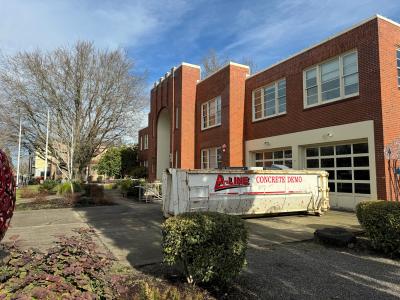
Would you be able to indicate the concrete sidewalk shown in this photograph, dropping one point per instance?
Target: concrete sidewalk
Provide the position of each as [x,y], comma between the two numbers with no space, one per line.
[132,231]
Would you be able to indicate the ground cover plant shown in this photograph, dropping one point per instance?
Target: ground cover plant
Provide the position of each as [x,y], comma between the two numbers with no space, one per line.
[76,269]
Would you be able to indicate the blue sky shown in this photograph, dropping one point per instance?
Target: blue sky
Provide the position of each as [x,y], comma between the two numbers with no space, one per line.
[161,34]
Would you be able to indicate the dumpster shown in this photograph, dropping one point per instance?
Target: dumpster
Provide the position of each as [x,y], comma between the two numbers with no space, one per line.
[245,192]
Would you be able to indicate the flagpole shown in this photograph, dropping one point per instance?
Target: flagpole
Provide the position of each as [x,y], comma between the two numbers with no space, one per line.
[19,149]
[47,144]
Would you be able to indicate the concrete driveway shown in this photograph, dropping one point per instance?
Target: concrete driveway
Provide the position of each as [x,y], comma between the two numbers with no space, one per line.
[282,263]
[131,230]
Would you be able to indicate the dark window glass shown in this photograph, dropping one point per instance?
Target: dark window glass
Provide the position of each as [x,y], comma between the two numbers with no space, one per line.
[344,175]
[361,174]
[267,163]
[259,163]
[362,188]
[267,155]
[331,186]
[325,151]
[278,162]
[288,163]
[312,163]
[278,154]
[362,161]
[259,156]
[331,174]
[343,162]
[360,148]
[343,149]
[288,153]
[312,152]
[327,162]
[343,187]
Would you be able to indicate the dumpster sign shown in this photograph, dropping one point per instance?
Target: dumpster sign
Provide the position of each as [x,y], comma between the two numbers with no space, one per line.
[260,184]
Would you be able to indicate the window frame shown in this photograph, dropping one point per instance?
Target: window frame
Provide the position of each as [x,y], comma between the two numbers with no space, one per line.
[317,67]
[141,143]
[272,160]
[398,66]
[207,151]
[146,142]
[207,104]
[262,89]
[352,156]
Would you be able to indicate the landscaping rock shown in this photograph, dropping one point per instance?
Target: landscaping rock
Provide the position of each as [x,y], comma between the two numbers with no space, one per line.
[335,236]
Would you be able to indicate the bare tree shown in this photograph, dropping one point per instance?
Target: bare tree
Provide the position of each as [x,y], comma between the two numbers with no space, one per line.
[92,95]
[211,62]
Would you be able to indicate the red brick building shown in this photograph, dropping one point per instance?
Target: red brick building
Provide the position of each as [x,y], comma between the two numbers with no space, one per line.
[333,106]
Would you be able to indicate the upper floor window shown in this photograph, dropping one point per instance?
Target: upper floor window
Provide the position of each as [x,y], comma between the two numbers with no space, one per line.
[141,143]
[269,101]
[211,158]
[398,66]
[146,142]
[211,113]
[333,80]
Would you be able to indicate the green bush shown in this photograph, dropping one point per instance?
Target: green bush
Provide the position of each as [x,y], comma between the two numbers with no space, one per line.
[65,188]
[138,172]
[48,186]
[207,246]
[381,221]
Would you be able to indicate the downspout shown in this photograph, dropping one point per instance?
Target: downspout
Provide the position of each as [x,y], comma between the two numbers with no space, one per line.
[173,118]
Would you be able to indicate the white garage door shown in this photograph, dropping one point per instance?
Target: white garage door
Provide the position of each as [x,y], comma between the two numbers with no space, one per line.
[348,167]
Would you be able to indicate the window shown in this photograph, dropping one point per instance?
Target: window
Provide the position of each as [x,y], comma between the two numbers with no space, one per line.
[398,66]
[269,158]
[270,100]
[176,159]
[211,113]
[347,165]
[145,164]
[146,142]
[141,143]
[211,158]
[333,80]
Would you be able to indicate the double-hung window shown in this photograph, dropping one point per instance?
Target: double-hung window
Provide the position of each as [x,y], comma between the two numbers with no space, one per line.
[146,142]
[141,143]
[211,113]
[211,158]
[270,100]
[332,80]
[398,66]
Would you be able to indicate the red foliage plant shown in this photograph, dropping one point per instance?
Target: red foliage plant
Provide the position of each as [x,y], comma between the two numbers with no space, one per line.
[7,194]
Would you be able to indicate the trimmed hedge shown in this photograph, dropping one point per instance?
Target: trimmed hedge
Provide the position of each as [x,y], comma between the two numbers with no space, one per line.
[207,246]
[381,221]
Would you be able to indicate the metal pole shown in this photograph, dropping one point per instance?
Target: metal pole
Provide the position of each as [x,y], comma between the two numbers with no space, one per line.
[19,149]
[47,144]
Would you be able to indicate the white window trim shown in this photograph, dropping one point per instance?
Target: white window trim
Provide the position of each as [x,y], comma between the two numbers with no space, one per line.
[141,143]
[146,142]
[272,160]
[334,156]
[207,103]
[207,150]
[262,101]
[341,80]
[398,68]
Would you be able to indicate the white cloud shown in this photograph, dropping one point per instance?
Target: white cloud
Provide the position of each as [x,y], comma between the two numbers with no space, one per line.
[26,24]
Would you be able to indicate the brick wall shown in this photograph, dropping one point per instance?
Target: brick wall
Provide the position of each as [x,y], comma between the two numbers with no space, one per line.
[364,107]
[389,41]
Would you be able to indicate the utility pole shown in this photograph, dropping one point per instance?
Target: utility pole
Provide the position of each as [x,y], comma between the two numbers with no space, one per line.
[19,148]
[47,144]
